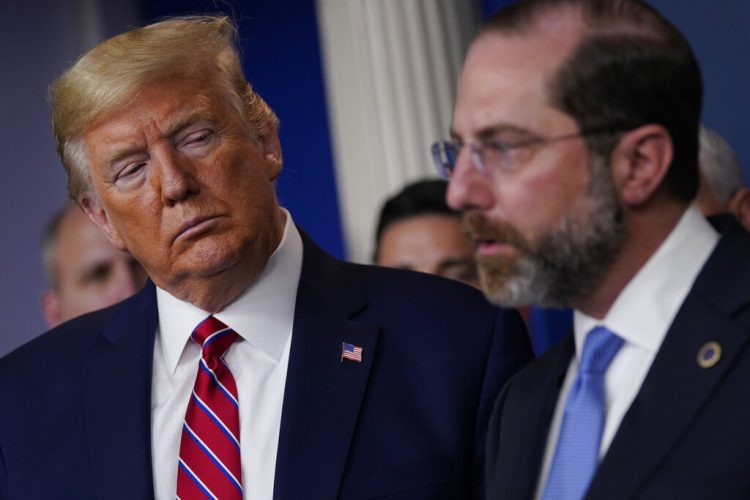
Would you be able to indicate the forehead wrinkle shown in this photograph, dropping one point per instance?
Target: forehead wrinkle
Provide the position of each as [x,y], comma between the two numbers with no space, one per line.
[552,36]
[183,121]
[173,126]
[123,151]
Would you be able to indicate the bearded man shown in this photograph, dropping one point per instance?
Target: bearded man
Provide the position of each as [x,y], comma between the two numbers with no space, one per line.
[574,156]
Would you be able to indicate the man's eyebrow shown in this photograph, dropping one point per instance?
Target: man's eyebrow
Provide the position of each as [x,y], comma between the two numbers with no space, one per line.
[173,129]
[491,131]
[188,120]
[123,152]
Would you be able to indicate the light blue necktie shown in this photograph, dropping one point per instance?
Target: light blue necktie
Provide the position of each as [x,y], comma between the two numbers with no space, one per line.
[577,452]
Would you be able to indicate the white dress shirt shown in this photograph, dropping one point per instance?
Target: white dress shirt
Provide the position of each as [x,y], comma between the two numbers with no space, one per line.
[262,317]
[641,315]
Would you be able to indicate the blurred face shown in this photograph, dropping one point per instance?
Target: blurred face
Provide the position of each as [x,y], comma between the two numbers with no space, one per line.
[545,230]
[91,273]
[186,187]
[433,244]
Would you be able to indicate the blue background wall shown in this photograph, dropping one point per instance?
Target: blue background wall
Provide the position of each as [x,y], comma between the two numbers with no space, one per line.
[718,32]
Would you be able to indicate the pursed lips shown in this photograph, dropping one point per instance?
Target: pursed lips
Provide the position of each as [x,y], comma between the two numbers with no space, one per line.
[193,225]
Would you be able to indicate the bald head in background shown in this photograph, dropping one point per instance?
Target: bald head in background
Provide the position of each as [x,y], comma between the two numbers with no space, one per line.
[85,272]
[722,188]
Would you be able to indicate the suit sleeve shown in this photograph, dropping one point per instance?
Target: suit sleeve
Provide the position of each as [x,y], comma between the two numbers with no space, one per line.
[509,351]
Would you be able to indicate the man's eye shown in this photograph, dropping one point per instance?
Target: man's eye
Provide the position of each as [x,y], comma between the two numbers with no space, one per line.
[97,274]
[197,138]
[129,170]
[498,147]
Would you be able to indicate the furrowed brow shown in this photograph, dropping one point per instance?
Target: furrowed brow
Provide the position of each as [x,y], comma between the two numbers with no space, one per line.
[124,152]
[187,120]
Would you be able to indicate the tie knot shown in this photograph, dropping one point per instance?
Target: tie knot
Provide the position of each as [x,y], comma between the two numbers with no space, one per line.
[214,337]
[600,347]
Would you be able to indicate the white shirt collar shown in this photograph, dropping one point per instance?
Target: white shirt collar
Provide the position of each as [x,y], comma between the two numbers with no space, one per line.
[645,308]
[263,315]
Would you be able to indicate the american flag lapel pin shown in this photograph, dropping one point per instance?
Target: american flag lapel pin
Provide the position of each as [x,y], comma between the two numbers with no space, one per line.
[351,352]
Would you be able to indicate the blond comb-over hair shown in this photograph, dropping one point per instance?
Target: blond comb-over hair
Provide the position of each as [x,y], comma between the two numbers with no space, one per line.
[106,77]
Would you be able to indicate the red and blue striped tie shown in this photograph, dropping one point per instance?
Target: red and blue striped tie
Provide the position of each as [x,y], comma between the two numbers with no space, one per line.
[210,446]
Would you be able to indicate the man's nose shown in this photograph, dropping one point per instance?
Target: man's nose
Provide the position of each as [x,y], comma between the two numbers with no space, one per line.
[177,176]
[468,188]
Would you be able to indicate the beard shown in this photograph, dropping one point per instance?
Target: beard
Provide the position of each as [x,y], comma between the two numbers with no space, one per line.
[565,264]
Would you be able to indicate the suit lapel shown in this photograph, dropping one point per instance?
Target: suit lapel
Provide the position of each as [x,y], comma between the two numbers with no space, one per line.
[677,388]
[534,410]
[118,397]
[323,394]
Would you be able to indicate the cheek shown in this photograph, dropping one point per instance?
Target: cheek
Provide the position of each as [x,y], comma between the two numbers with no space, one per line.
[135,217]
[142,236]
[539,201]
[234,174]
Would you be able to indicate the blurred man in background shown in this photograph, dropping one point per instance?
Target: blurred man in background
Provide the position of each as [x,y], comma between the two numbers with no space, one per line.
[417,230]
[722,188]
[84,271]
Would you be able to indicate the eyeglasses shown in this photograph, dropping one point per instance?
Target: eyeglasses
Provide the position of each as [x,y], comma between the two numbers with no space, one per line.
[496,154]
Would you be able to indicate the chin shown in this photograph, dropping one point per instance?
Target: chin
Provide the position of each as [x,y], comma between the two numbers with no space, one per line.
[207,260]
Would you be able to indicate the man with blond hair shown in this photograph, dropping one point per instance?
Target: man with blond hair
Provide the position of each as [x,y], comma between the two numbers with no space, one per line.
[252,364]
[574,157]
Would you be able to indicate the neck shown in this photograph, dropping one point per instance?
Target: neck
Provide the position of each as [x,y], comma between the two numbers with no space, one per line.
[646,229]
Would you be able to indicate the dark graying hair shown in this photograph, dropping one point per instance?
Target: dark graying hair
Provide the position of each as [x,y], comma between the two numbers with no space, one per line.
[424,197]
[630,67]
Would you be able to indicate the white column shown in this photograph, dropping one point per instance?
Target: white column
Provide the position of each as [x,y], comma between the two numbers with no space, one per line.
[391,68]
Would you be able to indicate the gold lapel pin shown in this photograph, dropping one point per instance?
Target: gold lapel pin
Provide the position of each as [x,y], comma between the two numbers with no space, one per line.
[709,354]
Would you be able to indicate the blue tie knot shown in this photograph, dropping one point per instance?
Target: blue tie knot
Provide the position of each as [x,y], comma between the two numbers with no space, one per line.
[600,347]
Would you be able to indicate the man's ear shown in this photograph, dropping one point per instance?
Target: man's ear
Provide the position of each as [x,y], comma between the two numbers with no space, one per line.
[51,308]
[99,216]
[739,205]
[640,162]
[271,147]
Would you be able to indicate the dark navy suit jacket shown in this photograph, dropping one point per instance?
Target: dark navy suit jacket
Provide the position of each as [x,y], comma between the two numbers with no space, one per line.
[686,434]
[408,422]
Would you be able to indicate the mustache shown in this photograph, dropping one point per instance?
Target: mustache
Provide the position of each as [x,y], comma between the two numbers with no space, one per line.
[478,227]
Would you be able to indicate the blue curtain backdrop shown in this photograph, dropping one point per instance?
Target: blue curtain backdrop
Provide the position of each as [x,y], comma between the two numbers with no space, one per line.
[279,43]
